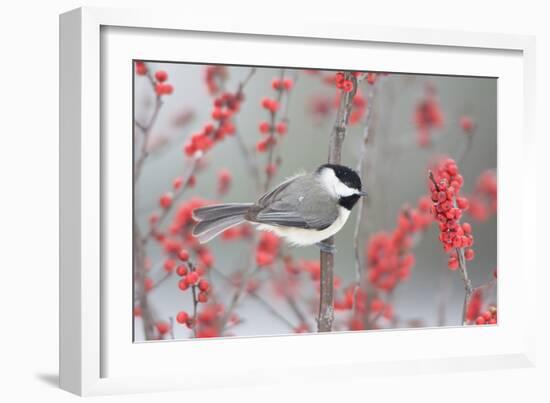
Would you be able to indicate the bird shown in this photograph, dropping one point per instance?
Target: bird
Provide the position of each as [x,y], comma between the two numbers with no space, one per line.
[303,210]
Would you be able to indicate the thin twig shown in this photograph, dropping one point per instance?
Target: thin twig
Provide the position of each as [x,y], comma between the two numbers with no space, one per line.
[326,297]
[260,299]
[367,137]
[247,274]
[139,248]
[177,195]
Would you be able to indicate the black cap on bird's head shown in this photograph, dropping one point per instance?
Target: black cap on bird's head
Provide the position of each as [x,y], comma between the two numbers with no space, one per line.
[351,191]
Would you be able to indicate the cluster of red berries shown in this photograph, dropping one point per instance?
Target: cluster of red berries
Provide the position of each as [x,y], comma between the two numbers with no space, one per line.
[445,184]
[224,181]
[207,320]
[483,201]
[488,317]
[161,86]
[467,124]
[225,106]
[474,306]
[159,80]
[267,249]
[183,218]
[427,116]
[282,84]
[346,301]
[190,277]
[214,76]
[389,256]
[343,83]
[272,106]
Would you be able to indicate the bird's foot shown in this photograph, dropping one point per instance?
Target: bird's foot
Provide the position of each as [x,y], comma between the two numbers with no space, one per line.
[327,248]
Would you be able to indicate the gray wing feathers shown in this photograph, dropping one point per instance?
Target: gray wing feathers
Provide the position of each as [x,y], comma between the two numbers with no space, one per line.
[300,202]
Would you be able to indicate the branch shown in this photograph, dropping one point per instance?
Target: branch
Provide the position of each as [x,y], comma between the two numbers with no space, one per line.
[326,297]
[139,247]
[367,137]
[468,290]
[261,300]
[248,272]
[177,195]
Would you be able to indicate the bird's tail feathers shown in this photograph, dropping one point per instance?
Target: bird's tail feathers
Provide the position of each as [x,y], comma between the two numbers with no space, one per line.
[213,220]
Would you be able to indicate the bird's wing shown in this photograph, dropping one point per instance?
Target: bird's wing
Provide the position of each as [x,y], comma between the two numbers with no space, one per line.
[273,194]
[299,203]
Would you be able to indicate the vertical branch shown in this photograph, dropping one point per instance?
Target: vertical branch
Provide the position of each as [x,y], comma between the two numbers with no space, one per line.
[468,290]
[367,137]
[139,247]
[326,297]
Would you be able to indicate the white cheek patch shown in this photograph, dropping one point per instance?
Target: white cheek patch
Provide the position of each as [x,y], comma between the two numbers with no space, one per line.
[334,185]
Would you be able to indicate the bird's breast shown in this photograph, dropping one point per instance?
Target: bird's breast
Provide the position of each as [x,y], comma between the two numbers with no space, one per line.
[304,237]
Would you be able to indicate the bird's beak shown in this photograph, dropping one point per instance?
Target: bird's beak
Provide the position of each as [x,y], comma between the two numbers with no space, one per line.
[363,194]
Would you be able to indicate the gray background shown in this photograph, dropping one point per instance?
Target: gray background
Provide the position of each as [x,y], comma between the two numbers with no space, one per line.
[398,177]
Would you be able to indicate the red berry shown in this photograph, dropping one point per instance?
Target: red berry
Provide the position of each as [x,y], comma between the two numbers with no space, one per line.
[347,86]
[169,265]
[276,84]
[453,263]
[467,228]
[469,254]
[281,128]
[166,200]
[264,127]
[182,317]
[202,297]
[141,68]
[168,89]
[161,75]
[189,149]
[261,146]
[480,320]
[270,169]
[183,284]
[266,103]
[192,278]
[181,270]
[462,203]
[148,283]
[288,83]
[162,327]
[183,255]
[204,285]
[467,124]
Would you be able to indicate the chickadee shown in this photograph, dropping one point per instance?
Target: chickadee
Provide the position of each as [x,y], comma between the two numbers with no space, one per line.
[304,210]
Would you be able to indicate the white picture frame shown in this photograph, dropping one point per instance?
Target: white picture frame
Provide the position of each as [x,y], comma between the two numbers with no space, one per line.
[96,355]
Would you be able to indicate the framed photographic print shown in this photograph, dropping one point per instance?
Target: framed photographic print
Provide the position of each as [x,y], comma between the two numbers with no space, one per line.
[261,201]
